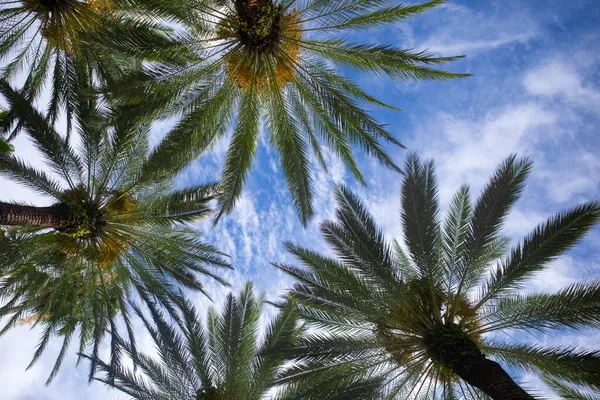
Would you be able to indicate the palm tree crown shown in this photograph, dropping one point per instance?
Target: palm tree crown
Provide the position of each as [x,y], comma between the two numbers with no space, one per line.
[269,58]
[224,359]
[425,313]
[111,229]
[72,43]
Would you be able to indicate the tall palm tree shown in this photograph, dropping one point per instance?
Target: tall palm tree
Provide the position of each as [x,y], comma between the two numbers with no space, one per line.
[429,313]
[110,233]
[70,43]
[225,359]
[273,58]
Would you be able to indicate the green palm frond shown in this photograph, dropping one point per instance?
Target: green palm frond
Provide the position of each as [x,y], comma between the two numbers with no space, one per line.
[358,241]
[416,314]
[334,384]
[381,60]
[382,16]
[577,306]
[489,212]
[454,233]
[285,135]
[271,57]
[241,151]
[199,131]
[6,147]
[578,366]
[419,216]
[569,392]
[39,181]
[60,158]
[544,244]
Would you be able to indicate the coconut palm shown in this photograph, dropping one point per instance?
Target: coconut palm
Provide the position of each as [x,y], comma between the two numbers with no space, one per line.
[110,232]
[70,43]
[429,313]
[222,359]
[276,58]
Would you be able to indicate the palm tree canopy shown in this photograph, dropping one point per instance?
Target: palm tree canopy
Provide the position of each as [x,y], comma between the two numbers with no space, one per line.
[273,59]
[118,232]
[224,358]
[72,43]
[412,311]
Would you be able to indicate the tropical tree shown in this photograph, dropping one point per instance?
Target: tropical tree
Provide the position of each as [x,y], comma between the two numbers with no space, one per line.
[428,313]
[271,58]
[222,359]
[111,232]
[71,43]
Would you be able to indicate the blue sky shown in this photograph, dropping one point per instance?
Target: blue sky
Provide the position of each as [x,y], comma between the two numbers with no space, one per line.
[535,92]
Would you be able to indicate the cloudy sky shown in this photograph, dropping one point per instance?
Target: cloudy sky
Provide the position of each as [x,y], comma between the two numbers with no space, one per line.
[535,92]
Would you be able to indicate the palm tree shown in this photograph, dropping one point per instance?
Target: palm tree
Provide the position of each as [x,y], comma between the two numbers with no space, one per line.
[70,43]
[110,233]
[270,57]
[226,359]
[429,313]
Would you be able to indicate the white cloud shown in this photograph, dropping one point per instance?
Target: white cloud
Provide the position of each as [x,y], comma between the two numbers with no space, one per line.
[468,150]
[557,78]
[71,384]
[462,30]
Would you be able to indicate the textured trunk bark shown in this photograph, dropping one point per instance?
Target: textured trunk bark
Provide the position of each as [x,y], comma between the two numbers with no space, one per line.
[454,348]
[489,377]
[56,216]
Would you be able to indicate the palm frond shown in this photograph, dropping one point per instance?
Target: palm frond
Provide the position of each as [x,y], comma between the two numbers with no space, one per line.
[16,169]
[569,392]
[544,244]
[578,366]
[240,153]
[284,133]
[455,232]
[53,148]
[577,306]
[419,215]
[382,59]
[489,212]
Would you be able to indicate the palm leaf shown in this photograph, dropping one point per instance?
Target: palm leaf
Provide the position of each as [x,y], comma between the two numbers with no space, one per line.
[545,243]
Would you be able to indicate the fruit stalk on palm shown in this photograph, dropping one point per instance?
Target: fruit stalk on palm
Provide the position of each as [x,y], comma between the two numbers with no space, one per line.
[262,61]
[424,314]
[224,358]
[110,233]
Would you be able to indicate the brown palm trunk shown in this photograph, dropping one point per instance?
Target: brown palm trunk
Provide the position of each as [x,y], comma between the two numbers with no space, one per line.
[56,216]
[454,348]
[489,377]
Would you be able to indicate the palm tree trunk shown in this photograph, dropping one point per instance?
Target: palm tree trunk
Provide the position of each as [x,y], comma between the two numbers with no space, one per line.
[454,348]
[489,377]
[56,216]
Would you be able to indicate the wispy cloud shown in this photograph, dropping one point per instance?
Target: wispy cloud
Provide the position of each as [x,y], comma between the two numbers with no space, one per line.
[464,30]
[558,79]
